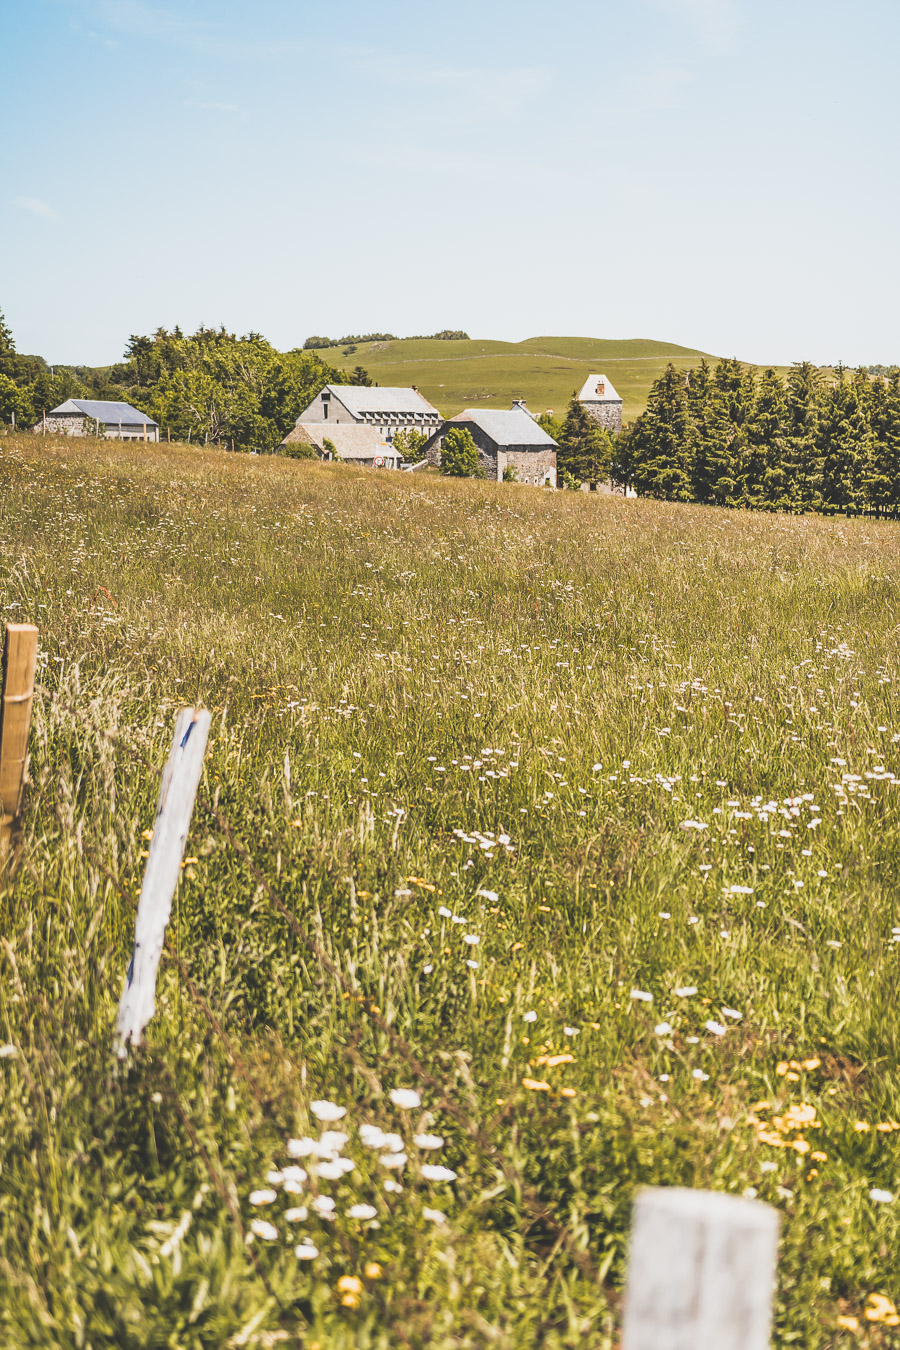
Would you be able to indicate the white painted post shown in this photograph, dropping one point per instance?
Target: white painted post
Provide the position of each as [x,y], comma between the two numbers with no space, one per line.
[173,818]
[701,1272]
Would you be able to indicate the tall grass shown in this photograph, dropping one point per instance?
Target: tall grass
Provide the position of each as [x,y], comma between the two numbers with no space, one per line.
[598,732]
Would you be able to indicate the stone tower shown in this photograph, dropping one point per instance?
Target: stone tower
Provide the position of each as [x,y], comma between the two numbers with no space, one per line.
[601,402]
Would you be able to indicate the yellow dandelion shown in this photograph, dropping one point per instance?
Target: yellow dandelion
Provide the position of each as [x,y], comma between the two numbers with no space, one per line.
[535,1085]
[879,1308]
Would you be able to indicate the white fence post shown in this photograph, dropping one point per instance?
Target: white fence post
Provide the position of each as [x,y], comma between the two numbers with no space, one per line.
[701,1272]
[173,818]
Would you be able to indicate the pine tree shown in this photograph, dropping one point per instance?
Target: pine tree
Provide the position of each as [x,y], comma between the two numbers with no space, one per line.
[661,442]
[804,457]
[881,474]
[845,437]
[585,449]
[763,475]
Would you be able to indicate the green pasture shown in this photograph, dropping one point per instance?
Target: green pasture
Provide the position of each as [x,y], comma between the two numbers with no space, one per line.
[545,371]
[547,846]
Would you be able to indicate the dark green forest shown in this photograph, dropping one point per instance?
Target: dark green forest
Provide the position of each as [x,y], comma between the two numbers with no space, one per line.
[731,436]
[209,387]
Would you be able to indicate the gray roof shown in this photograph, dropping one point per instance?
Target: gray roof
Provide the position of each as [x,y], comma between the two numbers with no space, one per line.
[350,440]
[514,426]
[362,398]
[102,411]
[591,390]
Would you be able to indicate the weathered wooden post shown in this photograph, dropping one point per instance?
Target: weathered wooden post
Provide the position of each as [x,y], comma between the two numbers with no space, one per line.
[701,1272]
[180,779]
[19,663]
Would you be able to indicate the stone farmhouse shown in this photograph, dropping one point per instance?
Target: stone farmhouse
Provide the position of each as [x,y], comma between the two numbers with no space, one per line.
[388,409]
[601,402]
[358,443]
[118,421]
[505,439]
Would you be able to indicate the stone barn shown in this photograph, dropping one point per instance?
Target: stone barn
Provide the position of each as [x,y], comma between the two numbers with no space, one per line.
[386,408]
[117,421]
[350,441]
[600,401]
[505,439]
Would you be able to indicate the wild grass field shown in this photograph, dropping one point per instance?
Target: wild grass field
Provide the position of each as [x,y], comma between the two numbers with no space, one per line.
[546,847]
[545,371]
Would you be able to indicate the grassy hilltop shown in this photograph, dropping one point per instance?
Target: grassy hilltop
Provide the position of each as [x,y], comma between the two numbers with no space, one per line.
[544,370]
[574,817]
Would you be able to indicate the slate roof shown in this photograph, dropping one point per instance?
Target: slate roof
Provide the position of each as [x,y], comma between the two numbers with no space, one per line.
[359,399]
[350,439]
[589,392]
[513,426]
[102,411]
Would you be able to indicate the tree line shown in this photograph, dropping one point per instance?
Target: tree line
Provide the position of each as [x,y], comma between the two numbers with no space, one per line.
[732,436]
[210,386]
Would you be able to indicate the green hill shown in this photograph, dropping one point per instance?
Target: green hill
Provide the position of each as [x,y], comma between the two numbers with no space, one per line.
[543,370]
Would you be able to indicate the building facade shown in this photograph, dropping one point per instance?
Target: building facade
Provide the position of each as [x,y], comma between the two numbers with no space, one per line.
[506,439]
[115,421]
[601,402]
[386,408]
[353,442]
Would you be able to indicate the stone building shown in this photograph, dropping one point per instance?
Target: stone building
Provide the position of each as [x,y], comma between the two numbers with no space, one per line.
[355,442]
[602,402]
[388,409]
[117,421]
[505,439]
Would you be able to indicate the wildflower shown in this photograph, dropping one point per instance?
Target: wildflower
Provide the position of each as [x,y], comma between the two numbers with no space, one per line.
[392,1186]
[332,1141]
[881,1309]
[333,1171]
[433,1172]
[306,1251]
[662,1029]
[444,912]
[862,1127]
[406,1098]
[426,970]
[473,965]
[373,1271]
[298,1214]
[392,1159]
[266,1231]
[686,991]
[301,1148]
[716,1028]
[641,996]
[768,1166]
[492,896]
[361,1212]
[740,890]
[327,1111]
[570,1031]
[275,1178]
[700,1076]
[10,1052]
[530,1017]
[323,1206]
[535,1085]
[349,1287]
[372,1136]
[428,1141]
[847,1323]
[881,1197]
[732,1012]
[568,1092]
[265,1197]
[472,939]
[435,1215]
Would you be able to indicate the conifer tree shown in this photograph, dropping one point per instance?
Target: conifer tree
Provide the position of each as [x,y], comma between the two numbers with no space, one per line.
[585,449]
[881,474]
[804,458]
[845,441]
[661,442]
[765,470]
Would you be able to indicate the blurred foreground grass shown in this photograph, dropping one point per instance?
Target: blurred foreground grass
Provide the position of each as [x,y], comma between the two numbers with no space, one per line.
[641,756]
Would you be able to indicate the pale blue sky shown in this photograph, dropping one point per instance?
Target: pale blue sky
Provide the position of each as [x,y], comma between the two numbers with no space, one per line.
[720,173]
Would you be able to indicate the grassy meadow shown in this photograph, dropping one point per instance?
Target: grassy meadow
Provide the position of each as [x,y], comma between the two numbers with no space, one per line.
[545,371]
[547,846]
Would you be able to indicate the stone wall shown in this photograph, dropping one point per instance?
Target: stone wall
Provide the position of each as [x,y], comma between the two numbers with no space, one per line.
[74,426]
[531,465]
[608,412]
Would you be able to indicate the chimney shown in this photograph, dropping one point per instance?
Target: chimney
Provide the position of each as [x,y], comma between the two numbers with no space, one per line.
[519,403]
[415,388]
[601,389]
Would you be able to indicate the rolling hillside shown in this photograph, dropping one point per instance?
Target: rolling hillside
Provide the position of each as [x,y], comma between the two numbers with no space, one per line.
[542,370]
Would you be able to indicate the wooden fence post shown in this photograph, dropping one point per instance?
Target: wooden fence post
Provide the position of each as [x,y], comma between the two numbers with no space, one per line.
[19,662]
[180,779]
[701,1272]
